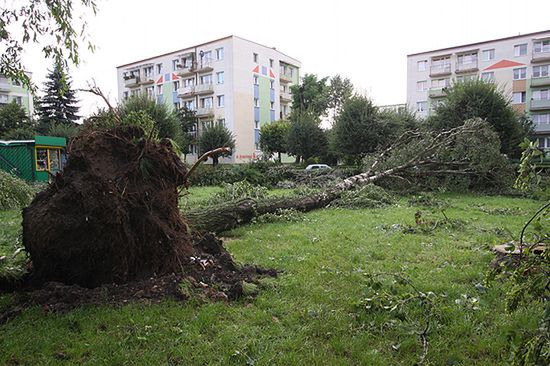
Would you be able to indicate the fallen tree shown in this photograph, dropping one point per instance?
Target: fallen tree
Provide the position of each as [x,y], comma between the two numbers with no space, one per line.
[471,150]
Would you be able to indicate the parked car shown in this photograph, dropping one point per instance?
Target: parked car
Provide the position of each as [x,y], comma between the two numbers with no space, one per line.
[317,167]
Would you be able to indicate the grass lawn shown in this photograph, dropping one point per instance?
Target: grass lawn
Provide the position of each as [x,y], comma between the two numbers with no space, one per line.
[314,313]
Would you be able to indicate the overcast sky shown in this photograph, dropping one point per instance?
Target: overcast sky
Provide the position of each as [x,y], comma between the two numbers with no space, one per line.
[366,41]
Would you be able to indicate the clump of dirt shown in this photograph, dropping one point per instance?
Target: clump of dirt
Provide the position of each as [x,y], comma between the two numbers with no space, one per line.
[112,217]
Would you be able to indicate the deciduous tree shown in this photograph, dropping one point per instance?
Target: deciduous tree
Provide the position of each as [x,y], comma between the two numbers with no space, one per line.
[216,136]
[273,138]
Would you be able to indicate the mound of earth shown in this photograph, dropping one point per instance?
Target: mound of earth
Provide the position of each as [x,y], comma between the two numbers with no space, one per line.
[112,218]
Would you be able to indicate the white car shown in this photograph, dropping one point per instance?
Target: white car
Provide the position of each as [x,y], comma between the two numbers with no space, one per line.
[317,167]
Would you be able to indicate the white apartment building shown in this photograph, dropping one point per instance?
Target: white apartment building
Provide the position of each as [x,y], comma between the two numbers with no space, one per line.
[231,80]
[519,64]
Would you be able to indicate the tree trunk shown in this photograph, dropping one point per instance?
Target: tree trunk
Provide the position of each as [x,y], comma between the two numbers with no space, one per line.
[214,160]
[279,155]
[229,215]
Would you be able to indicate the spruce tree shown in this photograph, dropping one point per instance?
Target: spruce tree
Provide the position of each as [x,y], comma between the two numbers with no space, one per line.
[59,103]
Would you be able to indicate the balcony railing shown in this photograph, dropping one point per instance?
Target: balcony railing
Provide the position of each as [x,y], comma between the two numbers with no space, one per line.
[467,67]
[186,69]
[186,91]
[540,104]
[205,111]
[5,84]
[541,56]
[286,96]
[204,66]
[204,89]
[285,78]
[444,69]
[542,127]
[540,81]
[148,79]
[131,81]
[437,92]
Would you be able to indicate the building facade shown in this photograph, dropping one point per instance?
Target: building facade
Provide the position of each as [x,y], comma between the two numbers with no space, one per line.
[233,81]
[14,91]
[520,65]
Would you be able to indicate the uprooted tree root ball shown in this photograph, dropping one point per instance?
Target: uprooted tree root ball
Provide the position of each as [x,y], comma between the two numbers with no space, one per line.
[112,217]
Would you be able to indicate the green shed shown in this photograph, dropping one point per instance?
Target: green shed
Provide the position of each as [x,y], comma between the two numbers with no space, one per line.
[33,160]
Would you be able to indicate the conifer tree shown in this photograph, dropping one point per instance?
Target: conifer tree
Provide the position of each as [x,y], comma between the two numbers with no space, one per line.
[59,103]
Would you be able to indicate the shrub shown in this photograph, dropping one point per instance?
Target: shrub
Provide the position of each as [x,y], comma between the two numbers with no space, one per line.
[14,192]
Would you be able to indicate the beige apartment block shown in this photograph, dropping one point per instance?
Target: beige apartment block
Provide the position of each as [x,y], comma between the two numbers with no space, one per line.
[520,65]
[231,80]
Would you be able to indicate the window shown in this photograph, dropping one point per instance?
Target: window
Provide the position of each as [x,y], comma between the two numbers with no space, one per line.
[18,100]
[176,85]
[256,80]
[518,97]
[220,77]
[206,102]
[271,84]
[205,57]
[205,79]
[148,71]
[421,85]
[542,94]
[221,100]
[488,55]
[540,119]
[441,83]
[520,49]
[159,89]
[177,105]
[159,68]
[270,62]
[542,46]
[465,59]
[149,91]
[540,71]
[272,105]
[465,78]
[125,95]
[544,142]
[488,77]
[520,73]
[219,53]
[15,82]
[255,57]
[421,106]
[189,104]
[175,64]
[48,159]
[189,82]
[136,92]
[257,125]
[422,65]
[256,102]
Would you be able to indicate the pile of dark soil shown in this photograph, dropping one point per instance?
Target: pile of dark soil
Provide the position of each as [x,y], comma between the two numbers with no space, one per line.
[108,229]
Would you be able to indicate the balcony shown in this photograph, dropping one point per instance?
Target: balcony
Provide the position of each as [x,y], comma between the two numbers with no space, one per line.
[541,56]
[540,81]
[186,69]
[440,70]
[147,80]
[131,81]
[466,67]
[542,127]
[203,89]
[285,78]
[285,97]
[437,92]
[538,104]
[205,112]
[186,91]
[205,66]
[5,84]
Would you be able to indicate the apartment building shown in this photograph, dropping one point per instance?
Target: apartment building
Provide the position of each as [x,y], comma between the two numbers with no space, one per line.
[518,64]
[14,91]
[231,80]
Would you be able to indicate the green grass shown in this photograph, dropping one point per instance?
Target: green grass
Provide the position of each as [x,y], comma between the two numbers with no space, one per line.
[312,313]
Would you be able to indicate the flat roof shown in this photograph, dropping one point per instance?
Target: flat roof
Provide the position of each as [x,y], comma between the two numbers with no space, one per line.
[203,44]
[480,43]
